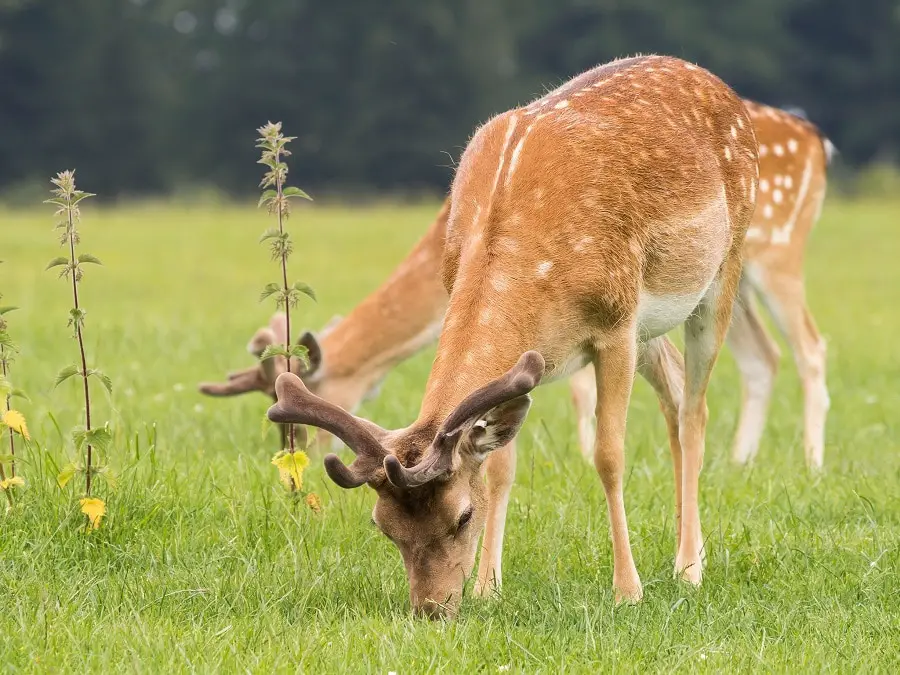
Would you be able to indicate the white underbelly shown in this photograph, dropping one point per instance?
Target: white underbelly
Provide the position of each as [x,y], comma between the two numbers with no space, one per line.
[658,314]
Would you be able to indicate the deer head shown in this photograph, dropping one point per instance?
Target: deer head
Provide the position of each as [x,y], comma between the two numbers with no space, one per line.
[262,376]
[431,497]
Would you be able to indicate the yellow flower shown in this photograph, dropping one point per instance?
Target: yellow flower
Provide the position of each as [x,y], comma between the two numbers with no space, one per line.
[313,502]
[290,468]
[12,482]
[16,421]
[94,509]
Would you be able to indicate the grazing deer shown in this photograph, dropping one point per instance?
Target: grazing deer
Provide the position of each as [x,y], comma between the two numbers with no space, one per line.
[793,158]
[583,228]
[792,178]
[352,355]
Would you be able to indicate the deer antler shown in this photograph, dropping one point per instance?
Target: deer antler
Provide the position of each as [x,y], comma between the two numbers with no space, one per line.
[438,459]
[296,405]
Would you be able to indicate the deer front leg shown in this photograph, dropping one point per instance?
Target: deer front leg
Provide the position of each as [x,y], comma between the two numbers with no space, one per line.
[704,333]
[500,469]
[615,367]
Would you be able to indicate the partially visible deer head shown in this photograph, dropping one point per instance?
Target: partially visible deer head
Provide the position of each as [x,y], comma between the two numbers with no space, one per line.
[431,496]
[262,376]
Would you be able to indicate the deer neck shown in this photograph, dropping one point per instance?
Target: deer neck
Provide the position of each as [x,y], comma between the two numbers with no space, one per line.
[400,318]
[484,335]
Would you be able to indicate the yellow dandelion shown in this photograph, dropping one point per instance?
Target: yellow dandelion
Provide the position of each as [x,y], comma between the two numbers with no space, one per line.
[15,481]
[16,421]
[94,509]
[290,468]
[313,502]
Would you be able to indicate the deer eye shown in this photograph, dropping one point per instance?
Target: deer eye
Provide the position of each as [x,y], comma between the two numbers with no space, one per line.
[464,518]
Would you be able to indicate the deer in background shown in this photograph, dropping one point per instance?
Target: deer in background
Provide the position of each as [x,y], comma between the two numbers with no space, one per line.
[352,355]
[793,160]
[583,228]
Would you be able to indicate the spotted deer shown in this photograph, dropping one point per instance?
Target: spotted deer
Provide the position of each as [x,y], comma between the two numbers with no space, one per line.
[793,159]
[352,354]
[583,228]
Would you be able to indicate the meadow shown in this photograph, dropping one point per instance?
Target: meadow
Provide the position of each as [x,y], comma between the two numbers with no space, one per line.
[205,565]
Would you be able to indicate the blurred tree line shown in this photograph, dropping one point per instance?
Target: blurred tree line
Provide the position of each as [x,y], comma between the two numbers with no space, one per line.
[144,96]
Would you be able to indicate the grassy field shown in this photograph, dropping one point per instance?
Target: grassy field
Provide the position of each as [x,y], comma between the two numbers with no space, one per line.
[204,566]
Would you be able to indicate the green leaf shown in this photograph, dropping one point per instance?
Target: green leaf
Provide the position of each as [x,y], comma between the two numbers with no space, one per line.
[79,195]
[109,476]
[56,262]
[6,387]
[9,458]
[99,438]
[273,350]
[7,309]
[66,373]
[66,474]
[57,201]
[7,341]
[266,196]
[300,352]
[88,258]
[270,289]
[18,393]
[271,233]
[304,288]
[93,372]
[295,192]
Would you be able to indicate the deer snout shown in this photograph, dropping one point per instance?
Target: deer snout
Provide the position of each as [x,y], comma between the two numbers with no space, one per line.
[433,610]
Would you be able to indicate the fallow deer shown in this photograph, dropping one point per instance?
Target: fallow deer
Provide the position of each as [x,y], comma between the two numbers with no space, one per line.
[793,161]
[404,314]
[583,228]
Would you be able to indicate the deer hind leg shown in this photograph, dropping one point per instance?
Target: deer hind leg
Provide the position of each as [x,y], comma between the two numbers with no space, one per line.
[704,335]
[583,385]
[500,469]
[786,299]
[661,364]
[615,368]
[757,357]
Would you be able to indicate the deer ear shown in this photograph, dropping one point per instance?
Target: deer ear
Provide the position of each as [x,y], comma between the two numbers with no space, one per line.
[314,352]
[260,340]
[496,428]
[278,325]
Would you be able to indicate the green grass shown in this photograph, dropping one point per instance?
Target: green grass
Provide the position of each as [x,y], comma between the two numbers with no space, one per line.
[203,565]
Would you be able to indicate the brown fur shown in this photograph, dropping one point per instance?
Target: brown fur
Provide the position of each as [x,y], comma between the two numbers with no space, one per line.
[666,202]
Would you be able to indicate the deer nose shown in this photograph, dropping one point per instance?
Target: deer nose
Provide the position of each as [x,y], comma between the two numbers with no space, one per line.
[429,609]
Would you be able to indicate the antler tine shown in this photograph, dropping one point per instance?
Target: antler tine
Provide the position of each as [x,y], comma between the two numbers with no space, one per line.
[296,405]
[239,382]
[438,460]
[518,381]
